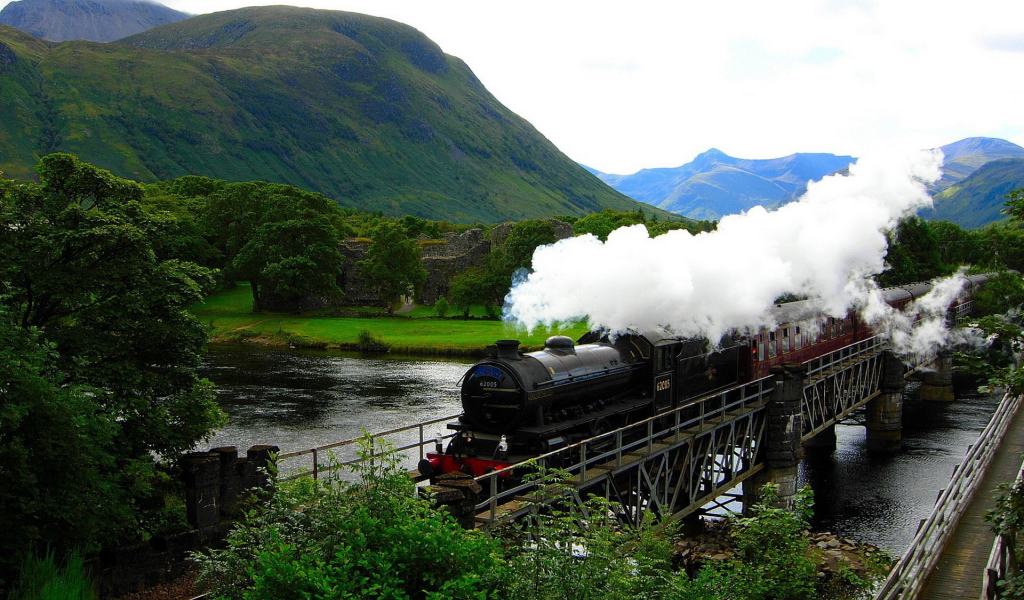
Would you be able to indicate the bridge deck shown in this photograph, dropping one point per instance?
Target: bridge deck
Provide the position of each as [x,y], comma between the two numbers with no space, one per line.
[959,572]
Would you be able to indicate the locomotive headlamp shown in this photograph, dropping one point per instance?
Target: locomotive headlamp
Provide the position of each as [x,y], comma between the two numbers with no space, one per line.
[438,443]
[502,451]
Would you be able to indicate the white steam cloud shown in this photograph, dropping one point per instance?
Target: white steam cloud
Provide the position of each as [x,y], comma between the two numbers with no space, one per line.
[826,246]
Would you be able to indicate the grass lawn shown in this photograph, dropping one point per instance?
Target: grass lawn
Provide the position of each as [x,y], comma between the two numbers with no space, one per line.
[229,314]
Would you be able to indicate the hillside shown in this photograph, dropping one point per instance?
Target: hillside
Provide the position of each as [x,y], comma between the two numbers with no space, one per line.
[95,20]
[978,199]
[715,184]
[365,110]
[965,157]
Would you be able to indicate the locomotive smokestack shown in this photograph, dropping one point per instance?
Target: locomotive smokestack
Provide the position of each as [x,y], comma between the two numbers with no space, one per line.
[508,349]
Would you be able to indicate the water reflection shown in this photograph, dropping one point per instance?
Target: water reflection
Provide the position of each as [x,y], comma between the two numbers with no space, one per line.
[881,499]
[300,399]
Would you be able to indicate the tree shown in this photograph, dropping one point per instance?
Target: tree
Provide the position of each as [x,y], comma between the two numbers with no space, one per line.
[913,254]
[282,240]
[290,259]
[473,287]
[79,271]
[393,264]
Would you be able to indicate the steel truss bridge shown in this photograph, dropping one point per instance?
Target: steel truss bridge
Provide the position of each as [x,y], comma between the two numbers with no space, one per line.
[667,466]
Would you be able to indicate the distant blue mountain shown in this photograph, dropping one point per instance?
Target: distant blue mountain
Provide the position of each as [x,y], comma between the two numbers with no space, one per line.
[715,184]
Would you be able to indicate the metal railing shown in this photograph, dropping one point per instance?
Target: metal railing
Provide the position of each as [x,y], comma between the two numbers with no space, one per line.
[906,579]
[821,366]
[344,453]
[1002,559]
[506,495]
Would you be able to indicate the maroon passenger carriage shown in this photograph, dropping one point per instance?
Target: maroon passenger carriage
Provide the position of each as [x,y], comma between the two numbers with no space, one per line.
[520,405]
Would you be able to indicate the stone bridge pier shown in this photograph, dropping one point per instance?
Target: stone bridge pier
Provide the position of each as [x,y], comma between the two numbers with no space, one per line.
[885,412]
[938,382]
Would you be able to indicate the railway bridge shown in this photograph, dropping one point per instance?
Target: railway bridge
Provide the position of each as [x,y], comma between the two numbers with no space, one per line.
[693,457]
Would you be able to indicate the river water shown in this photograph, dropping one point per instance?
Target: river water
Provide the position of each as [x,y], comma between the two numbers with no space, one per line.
[302,399]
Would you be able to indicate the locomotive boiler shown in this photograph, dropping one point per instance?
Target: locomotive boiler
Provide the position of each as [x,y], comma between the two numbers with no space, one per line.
[517,405]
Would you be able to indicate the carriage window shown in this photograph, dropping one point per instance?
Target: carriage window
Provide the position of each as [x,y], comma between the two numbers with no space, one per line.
[772,349]
[785,340]
[798,339]
[832,327]
[760,351]
[842,326]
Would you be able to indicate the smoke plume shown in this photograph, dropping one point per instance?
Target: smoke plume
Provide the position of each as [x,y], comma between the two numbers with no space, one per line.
[826,247]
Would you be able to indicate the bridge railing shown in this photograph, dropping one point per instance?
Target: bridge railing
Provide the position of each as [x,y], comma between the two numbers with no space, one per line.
[910,573]
[615,450]
[821,366]
[1001,560]
[338,455]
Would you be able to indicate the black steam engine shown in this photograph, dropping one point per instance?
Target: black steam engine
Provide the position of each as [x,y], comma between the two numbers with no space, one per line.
[518,405]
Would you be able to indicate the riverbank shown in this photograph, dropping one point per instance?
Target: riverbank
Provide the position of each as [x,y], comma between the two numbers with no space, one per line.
[230,319]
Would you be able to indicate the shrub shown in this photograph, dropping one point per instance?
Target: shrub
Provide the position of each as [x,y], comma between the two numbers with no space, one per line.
[43,579]
[368,539]
[367,341]
[441,307]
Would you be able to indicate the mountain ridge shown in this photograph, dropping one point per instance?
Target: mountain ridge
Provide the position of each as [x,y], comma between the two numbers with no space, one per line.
[365,110]
[93,20]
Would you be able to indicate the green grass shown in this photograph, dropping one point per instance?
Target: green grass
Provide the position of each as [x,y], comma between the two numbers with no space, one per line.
[229,314]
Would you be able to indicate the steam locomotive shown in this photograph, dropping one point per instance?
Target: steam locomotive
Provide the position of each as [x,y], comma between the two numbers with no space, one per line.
[518,405]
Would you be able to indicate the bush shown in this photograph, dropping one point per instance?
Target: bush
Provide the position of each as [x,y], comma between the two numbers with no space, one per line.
[441,307]
[43,579]
[367,341]
[368,539]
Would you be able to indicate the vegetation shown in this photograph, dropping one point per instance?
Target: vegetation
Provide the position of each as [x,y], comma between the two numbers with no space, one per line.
[375,539]
[364,110]
[45,579]
[98,359]
[392,266]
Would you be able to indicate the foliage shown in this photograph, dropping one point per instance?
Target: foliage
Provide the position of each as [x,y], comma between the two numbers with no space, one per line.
[397,126]
[582,552]
[1007,521]
[602,223]
[393,265]
[43,579]
[913,254]
[99,329]
[773,560]
[281,239]
[441,307]
[369,539]
[476,286]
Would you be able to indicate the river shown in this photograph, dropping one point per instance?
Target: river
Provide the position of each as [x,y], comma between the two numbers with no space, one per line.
[298,399]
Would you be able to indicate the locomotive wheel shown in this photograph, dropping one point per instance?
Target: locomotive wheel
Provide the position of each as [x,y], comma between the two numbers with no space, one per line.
[599,427]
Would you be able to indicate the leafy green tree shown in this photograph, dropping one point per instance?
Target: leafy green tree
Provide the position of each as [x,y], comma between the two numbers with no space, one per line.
[524,238]
[913,254]
[78,270]
[602,223]
[290,259]
[476,286]
[960,247]
[281,239]
[393,265]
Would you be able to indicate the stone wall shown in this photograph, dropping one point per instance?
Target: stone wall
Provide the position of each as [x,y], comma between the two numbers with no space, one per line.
[443,260]
[214,482]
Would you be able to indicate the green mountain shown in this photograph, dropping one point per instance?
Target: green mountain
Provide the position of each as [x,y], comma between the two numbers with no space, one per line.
[966,156]
[978,199]
[368,111]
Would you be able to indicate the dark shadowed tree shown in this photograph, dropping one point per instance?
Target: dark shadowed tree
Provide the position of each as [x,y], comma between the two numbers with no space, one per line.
[393,265]
[79,275]
[913,254]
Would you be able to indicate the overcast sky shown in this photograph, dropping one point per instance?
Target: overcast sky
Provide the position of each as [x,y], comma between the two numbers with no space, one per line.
[621,86]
